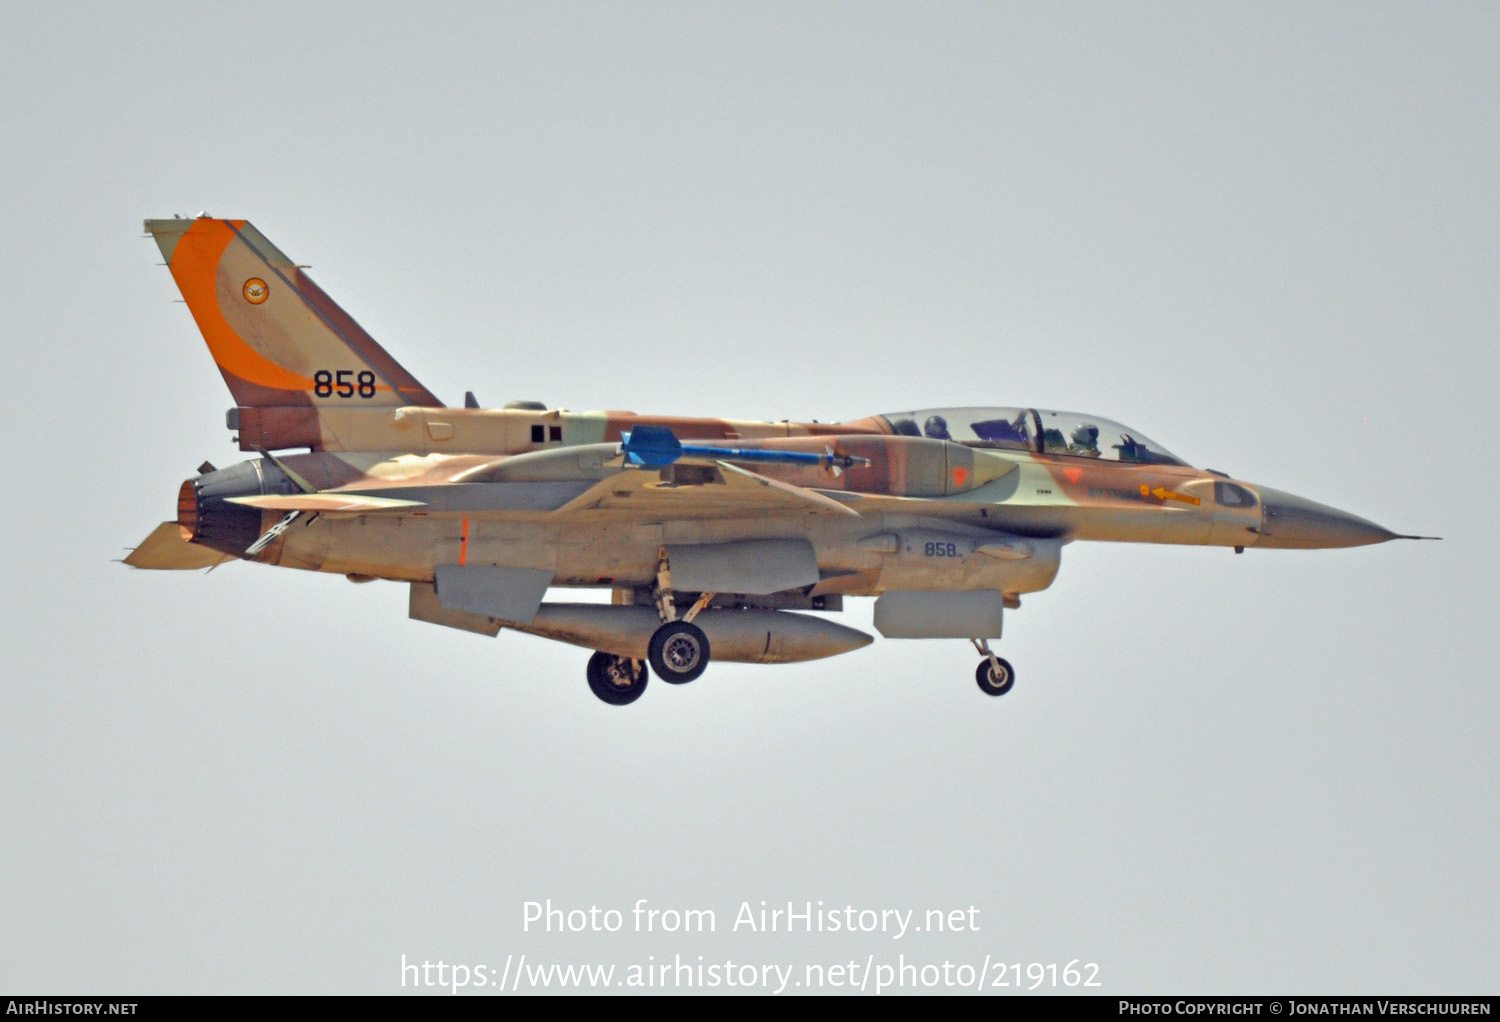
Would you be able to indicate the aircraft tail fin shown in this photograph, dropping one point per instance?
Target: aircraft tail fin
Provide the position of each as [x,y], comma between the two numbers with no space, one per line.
[276,336]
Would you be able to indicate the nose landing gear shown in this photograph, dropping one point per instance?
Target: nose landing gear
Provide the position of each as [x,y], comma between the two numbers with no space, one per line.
[995,675]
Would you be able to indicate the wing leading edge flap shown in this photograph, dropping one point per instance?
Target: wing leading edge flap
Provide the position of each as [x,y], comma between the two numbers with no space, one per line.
[705,490]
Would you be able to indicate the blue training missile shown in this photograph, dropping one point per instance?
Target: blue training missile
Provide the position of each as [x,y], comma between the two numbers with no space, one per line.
[657,446]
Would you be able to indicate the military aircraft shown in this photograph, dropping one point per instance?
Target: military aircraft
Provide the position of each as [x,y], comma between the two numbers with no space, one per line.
[714,536]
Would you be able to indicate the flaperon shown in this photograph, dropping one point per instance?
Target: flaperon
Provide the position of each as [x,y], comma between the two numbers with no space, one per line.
[712,533]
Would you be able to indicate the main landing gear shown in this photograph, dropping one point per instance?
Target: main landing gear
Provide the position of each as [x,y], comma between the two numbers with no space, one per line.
[995,675]
[678,651]
[618,680]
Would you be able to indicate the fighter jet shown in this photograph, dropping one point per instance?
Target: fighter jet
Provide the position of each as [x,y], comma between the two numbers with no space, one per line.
[715,537]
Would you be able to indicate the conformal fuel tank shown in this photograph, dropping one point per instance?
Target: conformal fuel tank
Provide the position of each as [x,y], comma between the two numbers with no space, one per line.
[743,636]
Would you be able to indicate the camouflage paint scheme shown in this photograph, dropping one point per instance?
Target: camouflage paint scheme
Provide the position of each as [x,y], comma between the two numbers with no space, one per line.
[396,485]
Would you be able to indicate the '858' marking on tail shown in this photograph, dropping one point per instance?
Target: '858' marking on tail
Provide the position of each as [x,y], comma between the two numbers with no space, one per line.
[326,383]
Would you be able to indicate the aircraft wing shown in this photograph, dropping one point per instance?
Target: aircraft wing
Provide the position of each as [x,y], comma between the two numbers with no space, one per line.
[165,549]
[694,489]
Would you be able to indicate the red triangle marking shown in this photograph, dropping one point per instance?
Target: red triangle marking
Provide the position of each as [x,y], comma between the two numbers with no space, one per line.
[1073,474]
[959,475]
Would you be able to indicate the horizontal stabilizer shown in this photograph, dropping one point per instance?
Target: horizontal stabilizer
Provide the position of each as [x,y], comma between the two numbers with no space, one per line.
[326,502]
[166,550]
[701,490]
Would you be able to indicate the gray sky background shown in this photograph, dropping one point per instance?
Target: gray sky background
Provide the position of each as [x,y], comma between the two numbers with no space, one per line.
[1265,235]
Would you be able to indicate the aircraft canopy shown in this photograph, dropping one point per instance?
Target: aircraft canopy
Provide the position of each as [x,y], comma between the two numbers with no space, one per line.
[1036,430]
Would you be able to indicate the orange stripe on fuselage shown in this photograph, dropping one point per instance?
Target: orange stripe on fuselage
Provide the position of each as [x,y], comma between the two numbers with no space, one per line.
[195,267]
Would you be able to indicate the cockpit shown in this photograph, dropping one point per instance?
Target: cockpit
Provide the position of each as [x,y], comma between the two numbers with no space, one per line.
[1032,429]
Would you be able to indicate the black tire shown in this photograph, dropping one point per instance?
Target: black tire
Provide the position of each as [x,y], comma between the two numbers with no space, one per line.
[679,652]
[617,680]
[991,684]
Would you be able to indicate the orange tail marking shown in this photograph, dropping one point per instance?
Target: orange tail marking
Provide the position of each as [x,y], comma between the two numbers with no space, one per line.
[195,267]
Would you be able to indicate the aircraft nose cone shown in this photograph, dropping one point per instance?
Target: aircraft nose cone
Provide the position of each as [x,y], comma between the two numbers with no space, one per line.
[1295,522]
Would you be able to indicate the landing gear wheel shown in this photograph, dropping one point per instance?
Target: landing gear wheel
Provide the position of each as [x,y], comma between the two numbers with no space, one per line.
[618,680]
[993,682]
[679,652]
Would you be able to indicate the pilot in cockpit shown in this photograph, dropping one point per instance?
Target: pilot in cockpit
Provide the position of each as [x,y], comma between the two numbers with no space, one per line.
[1085,441]
[936,427]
